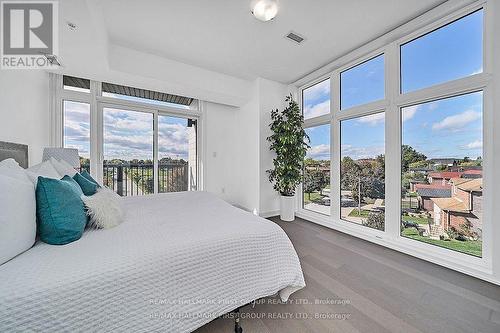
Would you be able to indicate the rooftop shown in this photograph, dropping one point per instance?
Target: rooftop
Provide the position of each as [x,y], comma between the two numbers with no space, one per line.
[451,204]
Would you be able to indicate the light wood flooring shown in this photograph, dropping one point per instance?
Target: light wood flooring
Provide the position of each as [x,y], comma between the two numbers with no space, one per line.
[376,290]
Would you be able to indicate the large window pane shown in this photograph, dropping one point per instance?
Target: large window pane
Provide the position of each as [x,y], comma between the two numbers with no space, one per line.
[441,163]
[76,117]
[316,100]
[316,186]
[451,52]
[128,151]
[362,170]
[177,156]
[363,83]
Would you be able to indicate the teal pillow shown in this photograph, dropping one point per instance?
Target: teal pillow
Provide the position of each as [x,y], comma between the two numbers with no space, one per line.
[87,175]
[60,211]
[89,188]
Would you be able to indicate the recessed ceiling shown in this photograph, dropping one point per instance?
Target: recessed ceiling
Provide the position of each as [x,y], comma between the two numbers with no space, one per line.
[223,36]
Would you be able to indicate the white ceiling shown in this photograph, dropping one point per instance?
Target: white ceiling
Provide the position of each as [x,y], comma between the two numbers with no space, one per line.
[223,36]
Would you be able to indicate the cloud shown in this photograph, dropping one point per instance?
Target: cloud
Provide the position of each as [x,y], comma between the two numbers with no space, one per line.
[477,71]
[409,112]
[317,110]
[433,106]
[477,144]
[357,153]
[127,135]
[372,120]
[319,152]
[458,121]
[318,90]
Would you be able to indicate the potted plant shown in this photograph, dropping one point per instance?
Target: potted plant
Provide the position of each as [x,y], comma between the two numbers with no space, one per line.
[290,142]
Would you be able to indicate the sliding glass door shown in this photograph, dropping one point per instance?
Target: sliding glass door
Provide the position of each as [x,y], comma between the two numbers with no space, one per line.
[144,148]
[128,166]
[177,151]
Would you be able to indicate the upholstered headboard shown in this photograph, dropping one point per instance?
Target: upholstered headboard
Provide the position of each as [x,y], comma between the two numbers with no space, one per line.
[16,151]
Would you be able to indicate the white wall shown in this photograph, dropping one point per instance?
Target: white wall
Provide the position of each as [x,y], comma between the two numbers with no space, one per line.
[24,110]
[219,144]
[271,96]
[246,153]
[237,152]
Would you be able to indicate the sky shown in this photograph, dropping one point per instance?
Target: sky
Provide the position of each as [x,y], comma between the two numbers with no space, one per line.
[445,128]
[127,134]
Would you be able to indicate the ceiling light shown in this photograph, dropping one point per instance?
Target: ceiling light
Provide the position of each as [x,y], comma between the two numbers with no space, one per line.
[265,10]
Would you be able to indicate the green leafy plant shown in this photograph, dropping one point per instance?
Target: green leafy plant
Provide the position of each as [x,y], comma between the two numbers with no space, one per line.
[290,142]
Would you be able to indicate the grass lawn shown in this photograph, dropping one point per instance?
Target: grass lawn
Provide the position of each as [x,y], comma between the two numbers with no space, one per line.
[418,220]
[468,247]
[311,197]
[355,213]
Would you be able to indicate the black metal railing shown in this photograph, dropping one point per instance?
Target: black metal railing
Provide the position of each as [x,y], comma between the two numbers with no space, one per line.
[138,179]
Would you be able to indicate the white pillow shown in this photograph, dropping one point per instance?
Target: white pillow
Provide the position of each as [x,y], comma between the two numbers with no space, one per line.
[11,168]
[104,208]
[10,162]
[62,167]
[17,217]
[44,169]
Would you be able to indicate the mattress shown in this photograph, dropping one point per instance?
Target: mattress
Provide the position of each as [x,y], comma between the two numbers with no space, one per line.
[177,262]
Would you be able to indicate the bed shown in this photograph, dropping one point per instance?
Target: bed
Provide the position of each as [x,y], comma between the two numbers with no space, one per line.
[177,262]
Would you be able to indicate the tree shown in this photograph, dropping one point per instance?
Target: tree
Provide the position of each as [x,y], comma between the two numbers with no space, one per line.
[375,220]
[290,143]
[310,183]
[365,178]
[410,155]
[419,164]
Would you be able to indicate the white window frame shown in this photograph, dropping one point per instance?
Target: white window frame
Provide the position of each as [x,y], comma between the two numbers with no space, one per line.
[392,104]
[97,104]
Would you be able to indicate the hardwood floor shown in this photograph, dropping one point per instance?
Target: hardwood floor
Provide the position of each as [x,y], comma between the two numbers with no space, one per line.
[373,289]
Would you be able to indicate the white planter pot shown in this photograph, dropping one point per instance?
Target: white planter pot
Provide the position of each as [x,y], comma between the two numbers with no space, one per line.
[287,208]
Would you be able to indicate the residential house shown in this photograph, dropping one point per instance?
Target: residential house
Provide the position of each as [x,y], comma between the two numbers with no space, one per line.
[426,192]
[463,208]
[443,176]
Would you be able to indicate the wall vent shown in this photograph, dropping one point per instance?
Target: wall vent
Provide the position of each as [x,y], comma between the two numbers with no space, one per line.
[295,37]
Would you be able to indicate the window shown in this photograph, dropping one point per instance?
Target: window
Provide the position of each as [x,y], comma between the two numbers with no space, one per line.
[441,172]
[76,119]
[316,186]
[145,96]
[177,152]
[362,170]
[450,52]
[424,133]
[128,151]
[363,83]
[316,100]
[76,84]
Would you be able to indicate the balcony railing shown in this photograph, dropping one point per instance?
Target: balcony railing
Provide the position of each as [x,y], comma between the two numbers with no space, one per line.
[138,179]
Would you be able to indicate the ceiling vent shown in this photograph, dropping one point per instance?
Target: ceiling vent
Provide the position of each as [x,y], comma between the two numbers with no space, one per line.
[294,37]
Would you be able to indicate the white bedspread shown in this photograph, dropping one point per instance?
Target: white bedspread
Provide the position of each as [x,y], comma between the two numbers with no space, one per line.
[177,262]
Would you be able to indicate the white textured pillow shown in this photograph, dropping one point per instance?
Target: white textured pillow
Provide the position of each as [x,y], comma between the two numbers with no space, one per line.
[104,208]
[62,167]
[11,168]
[17,217]
[9,163]
[44,169]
